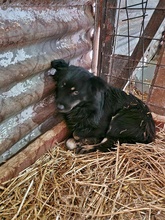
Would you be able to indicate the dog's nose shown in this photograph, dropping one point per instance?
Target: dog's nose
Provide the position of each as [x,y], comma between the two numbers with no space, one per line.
[60,107]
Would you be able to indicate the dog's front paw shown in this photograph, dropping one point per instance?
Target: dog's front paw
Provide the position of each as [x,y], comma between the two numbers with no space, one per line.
[85,149]
[71,144]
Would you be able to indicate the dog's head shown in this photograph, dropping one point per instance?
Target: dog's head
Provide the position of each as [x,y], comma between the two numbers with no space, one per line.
[71,85]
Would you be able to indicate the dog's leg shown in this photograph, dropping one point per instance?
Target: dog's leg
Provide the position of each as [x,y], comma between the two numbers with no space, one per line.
[129,126]
[85,149]
[82,145]
[105,145]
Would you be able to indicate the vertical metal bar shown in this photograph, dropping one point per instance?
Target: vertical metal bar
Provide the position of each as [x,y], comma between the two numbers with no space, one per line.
[141,34]
[101,9]
[96,37]
[107,29]
[128,36]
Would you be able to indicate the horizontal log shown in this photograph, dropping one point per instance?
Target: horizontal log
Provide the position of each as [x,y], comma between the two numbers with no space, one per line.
[24,94]
[30,24]
[45,3]
[35,58]
[33,152]
[32,90]
[158,118]
[31,136]
[16,127]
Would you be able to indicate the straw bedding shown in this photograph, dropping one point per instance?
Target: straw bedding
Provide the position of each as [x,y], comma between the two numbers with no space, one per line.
[126,184]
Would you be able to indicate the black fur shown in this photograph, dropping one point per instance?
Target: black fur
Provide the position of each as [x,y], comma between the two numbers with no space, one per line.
[93,110]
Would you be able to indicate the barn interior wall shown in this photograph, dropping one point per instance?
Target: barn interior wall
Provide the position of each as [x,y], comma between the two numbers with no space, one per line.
[32,34]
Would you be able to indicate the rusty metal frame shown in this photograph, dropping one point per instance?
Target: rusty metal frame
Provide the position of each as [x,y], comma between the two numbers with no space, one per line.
[144,41]
[106,59]
[156,98]
[106,16]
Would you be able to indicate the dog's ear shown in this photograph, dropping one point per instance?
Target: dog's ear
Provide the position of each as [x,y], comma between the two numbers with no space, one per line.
[61,68]
[97,85]
[59,65]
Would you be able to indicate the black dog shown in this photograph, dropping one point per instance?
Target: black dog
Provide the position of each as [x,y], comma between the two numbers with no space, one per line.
[97,114]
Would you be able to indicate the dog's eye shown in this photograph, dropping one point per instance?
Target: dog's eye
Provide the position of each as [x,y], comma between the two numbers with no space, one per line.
[75,92]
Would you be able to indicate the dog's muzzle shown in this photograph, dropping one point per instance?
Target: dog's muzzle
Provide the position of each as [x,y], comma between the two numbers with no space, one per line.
[65,108]
[60,107]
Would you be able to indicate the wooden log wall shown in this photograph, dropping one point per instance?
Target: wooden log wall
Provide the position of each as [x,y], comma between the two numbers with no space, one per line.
[32,33]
